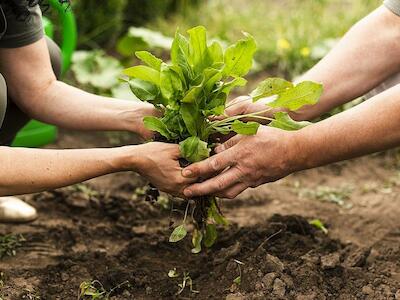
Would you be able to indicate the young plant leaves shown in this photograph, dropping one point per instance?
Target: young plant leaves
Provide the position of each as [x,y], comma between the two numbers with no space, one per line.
[144,90]
[197,237]
[193,149]
[304,93]
[270,87]
[249,128]
[155,124]
[149,59]
[199,56]
[145,73]
[239,57]
[285,122]
[178,234]
[210,235]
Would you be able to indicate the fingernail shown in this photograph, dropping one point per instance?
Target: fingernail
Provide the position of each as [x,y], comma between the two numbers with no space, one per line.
[188,193]
[187,173]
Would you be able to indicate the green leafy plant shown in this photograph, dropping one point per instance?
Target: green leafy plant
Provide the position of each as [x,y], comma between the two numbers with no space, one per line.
[192,91]
[94,290]
[9,244]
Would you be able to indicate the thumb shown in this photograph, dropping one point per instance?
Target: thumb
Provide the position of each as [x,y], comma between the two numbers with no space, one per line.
[229,143]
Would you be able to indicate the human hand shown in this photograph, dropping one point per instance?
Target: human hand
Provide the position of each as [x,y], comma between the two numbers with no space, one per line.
[245,161]
[244,105]
[159,163]
[135,119]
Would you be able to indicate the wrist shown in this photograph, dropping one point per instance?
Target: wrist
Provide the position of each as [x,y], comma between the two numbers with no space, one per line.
[132,119]
[126,158]
[299,151]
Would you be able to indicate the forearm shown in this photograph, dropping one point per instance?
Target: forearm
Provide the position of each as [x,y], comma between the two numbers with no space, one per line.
[366,56]
[33,170]
[69,107]
[369,127]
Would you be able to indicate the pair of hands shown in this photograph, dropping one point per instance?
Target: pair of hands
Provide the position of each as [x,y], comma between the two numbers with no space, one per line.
[240,162]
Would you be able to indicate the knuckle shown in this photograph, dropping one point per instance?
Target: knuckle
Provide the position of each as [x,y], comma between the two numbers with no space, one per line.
[214,164]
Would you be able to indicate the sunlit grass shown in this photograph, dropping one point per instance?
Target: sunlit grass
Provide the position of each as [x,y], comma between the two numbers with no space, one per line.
[286,31]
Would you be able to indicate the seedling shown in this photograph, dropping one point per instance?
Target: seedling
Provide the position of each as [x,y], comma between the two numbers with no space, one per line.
[94,290]
[186,281]
[192,90]
[319,225]
[238,280]
[9,244]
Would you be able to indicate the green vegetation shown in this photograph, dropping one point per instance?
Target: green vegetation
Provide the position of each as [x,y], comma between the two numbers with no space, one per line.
[9,244]
[94,290]
[192,91]
[292,35]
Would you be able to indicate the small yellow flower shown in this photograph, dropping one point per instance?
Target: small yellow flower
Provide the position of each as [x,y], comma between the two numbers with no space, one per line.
[305,52]
[283,44]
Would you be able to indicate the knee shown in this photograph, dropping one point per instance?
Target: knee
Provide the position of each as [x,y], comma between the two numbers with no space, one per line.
[3,99]
[55,57]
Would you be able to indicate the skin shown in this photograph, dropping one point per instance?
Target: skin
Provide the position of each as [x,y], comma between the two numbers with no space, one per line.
[352,68]
[35,89]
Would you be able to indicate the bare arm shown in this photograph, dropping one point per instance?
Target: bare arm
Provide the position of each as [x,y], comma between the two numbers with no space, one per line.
[366,56]
[272,154]
[33,170]
[33,86]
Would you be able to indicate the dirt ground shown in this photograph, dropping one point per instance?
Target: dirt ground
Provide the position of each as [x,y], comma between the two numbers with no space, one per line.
[105,231]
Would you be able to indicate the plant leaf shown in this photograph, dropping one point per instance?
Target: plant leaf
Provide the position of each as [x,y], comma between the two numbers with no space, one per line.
[198,50]
[249,128]
[193,149]
[193,94]
[190,116]
[178,234]
[144,90]
[149,59]
[239,57]
[216,52]
[145,73]
[197,237]
[270,87]
[285,122]
[170,83]
[180,54]
[210,235]
[155,124]
[305,93]
[319,225]
[238,81]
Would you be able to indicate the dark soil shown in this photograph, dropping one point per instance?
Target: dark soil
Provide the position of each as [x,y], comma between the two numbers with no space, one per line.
[106,231]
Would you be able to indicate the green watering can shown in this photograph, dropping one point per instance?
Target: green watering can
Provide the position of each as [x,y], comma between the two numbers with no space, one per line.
[35,133]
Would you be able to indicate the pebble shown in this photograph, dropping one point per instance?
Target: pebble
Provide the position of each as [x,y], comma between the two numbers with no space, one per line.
[397,295]
[268,280]
[237,296]
[367,290]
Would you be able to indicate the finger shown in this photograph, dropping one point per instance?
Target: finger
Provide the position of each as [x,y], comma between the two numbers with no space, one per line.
[214,185]
[228,144]
[211,165]
[233,191]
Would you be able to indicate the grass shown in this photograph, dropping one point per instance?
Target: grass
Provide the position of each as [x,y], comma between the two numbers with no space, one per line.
[9,244]
[289,33]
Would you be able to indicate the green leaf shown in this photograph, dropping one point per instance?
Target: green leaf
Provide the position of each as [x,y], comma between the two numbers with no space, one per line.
[149,59]
[270,87]
[173,273]
[155,124]
[193,94]
[319,225]
[249,128]
[214,214]
[198,50]
[285,122]
[144,90]
[239,57]
[238,81]
[193,149]
[178,234]
[211,78]
[197,237]
[180,54]
[145,73]
[190,116]
[238,280]
[216,53]
[305,93]
[170,83]
[210,235]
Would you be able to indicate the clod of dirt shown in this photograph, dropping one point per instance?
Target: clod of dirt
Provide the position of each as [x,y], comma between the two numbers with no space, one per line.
[358,257]
[273,264]
[279,288]
[330,261]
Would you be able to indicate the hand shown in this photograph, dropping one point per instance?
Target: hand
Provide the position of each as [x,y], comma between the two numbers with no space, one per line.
[134,119]
[245,161]
[158,162]
[244,105]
